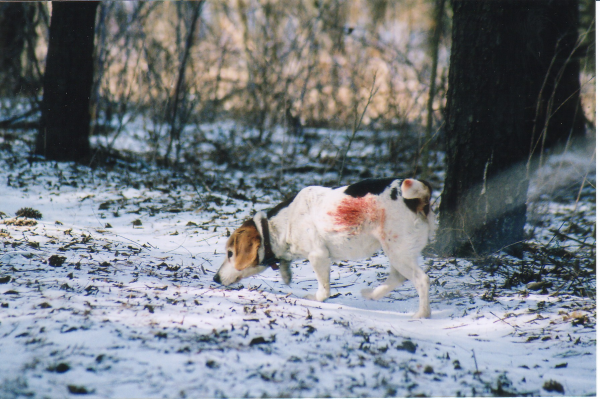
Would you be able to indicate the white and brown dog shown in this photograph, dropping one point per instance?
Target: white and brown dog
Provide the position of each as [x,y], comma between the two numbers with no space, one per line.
[325,224]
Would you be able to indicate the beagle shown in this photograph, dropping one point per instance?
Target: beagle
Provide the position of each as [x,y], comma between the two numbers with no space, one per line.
[324,224]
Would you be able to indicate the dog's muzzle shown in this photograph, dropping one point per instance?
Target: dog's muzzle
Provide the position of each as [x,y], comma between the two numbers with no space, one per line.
[217,278]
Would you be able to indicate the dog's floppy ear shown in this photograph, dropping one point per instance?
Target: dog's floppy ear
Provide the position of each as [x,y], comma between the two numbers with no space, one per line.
[246,242]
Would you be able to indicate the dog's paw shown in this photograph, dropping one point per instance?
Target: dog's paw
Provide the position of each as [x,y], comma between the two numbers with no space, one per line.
[319,297]
[286,273]
[367,293]
[373,294]
[422,314]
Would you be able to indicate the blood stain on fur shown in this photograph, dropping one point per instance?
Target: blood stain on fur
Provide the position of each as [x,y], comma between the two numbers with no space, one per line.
[353,212]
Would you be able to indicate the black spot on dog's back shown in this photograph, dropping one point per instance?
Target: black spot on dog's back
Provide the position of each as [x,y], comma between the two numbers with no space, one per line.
[274,211]
[369,186]
[394,194]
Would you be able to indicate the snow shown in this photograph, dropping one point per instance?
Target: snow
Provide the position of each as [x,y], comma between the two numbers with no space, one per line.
[133,310]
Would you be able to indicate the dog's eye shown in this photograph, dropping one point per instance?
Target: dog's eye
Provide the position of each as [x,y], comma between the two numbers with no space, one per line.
[229,254]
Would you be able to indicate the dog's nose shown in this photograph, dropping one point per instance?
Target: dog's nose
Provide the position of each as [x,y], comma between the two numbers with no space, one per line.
[217,279]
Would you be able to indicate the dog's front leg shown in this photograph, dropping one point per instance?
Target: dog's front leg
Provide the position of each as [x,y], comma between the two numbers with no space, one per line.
[286,271]
[321,265]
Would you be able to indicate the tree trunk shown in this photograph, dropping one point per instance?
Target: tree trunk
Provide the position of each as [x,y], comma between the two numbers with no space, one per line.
[499,49]
[65,123]
[16,22]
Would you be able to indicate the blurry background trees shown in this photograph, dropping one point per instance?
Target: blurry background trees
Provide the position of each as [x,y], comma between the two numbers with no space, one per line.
[18,62]
[261,63]
[251,61]
[21,25]
[218,86]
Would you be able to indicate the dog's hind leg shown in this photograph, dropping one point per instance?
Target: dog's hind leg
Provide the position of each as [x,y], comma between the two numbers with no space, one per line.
[393,280]
[409,267]
[321,264]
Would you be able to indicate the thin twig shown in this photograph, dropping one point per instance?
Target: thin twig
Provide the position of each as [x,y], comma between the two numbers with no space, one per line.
[563,235]
[9,120]
[356,126]
[437,31]
[504,321]
[583,182]
[477,372]
[175,131]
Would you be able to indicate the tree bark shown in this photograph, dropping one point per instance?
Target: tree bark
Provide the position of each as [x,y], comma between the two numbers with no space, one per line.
[499,50]
[65,122]
[16,23]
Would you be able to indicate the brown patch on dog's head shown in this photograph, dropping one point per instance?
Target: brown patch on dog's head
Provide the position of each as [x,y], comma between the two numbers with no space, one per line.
[243,246]
[417,195]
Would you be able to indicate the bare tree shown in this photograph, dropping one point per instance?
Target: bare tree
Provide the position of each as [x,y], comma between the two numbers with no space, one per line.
[178,110]
[493,93]
[65,123]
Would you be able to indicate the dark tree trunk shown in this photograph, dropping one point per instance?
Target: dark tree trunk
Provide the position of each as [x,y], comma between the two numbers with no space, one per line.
[65,123]
[501,51]
[16,22]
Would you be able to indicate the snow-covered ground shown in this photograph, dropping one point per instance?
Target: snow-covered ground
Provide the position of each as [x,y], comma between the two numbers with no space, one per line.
[110,294]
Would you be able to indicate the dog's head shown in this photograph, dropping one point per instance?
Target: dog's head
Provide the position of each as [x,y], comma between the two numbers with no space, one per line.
[242,251]
[417,195]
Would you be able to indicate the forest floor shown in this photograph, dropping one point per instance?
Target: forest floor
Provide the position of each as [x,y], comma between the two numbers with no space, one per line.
[110,292]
